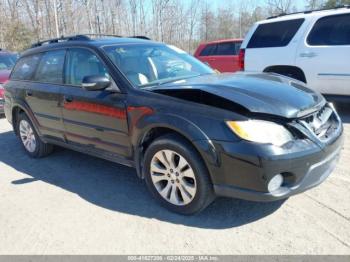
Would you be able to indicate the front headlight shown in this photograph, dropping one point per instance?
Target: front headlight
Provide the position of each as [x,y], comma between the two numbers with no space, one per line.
[261,131]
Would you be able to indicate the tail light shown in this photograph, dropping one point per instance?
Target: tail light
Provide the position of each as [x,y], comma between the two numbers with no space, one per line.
[241,57]
[2,91]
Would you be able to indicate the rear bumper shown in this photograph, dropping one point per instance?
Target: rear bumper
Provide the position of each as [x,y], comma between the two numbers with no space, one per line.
[245,169]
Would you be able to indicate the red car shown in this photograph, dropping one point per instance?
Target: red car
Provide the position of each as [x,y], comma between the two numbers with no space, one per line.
[221,55]
[7,61]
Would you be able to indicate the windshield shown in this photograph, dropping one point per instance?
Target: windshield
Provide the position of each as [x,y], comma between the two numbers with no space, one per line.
[7,61]
[151,65]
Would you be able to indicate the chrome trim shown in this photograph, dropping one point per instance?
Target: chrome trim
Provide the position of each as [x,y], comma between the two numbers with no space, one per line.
[331,74]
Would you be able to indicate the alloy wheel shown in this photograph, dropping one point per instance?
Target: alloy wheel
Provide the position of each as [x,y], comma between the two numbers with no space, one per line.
[27,136]
[173,177]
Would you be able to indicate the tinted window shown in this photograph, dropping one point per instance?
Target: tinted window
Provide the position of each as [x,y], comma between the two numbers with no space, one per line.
[331,30]
[50,69]
[7,61]
[82,63]
[25,68]
[276,34]
[228,49]
[208,50]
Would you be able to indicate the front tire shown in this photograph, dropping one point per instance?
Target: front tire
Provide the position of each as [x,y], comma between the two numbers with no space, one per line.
[176,175]
[30,140]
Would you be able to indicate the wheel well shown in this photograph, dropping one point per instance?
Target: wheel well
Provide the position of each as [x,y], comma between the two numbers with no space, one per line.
[290,71]
[157,132]
[15,113]
[151,136]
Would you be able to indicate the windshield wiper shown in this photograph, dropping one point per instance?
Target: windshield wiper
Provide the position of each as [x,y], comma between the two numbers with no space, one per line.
[158,83]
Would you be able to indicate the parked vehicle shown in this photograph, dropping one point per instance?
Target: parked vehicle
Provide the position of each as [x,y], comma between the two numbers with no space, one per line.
[312,47]
[190,133]
[7,61]
[221,55]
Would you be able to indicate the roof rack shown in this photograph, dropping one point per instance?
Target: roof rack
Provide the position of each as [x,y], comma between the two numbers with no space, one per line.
[84,37]
[62,39]
[310,11]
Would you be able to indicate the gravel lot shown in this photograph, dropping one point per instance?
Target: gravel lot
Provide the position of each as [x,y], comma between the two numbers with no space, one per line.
[70,203]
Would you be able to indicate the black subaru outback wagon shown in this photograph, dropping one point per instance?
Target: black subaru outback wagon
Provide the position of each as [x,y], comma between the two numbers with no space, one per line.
[190,133]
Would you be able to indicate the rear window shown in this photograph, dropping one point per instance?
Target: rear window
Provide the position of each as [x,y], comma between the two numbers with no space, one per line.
[223,49]
[277,34]
[331,30]
[25,67]
[208,50]
[228,48]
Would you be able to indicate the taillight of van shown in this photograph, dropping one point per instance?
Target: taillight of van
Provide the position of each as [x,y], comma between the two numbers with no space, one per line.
[241,57]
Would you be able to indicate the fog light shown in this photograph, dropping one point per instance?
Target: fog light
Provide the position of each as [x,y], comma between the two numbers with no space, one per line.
[275,183]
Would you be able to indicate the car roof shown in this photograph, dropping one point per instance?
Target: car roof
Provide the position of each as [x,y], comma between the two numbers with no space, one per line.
[92,42]
[222,41]
[306,15]
[5,52]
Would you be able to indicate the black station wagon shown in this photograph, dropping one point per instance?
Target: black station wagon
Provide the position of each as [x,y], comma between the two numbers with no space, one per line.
[191,134]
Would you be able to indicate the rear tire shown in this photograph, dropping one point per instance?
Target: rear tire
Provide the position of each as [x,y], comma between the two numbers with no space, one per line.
[176,175]
[30,140]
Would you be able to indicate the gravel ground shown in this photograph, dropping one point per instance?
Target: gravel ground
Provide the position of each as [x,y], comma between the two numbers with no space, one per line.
[70,203]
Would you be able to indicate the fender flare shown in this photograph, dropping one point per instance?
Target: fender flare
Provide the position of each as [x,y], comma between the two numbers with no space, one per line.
[199,140]
[24,107]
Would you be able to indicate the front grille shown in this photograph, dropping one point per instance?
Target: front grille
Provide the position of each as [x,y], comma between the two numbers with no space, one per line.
[323,124]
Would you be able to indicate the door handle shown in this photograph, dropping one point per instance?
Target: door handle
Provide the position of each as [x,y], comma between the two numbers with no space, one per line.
[308,54]
[29,93]
[68,99]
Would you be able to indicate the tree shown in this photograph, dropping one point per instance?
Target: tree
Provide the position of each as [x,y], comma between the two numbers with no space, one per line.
[18,37]
[279,6]
[335,3]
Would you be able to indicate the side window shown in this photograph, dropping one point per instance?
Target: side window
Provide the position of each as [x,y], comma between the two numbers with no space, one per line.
[25,67]
[331,30]
[276,34]
[50,69]
[81,63]
[208,50]
[227,49]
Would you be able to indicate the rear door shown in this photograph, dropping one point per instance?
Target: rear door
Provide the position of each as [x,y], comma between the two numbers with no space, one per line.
[273,44]
[41,76]
[205,55]
[94,120]
[325,55]
[225,57]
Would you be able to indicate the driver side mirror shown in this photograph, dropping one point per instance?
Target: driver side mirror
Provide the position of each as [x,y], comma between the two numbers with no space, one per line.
[95,83]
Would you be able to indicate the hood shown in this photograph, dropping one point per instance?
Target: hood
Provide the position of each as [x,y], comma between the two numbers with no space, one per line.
[258,93]
[4,76]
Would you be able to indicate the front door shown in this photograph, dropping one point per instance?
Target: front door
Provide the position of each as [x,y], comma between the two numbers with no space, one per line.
[95,120]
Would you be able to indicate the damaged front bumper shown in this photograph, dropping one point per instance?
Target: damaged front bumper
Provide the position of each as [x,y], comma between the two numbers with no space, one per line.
[244,169]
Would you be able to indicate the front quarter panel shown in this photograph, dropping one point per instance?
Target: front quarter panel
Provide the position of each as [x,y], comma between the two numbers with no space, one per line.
[199,124]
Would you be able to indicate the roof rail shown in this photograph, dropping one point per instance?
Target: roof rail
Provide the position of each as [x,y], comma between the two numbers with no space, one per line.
[110,35]
[141,37]
[310,11]
[84,37]
[62,39]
